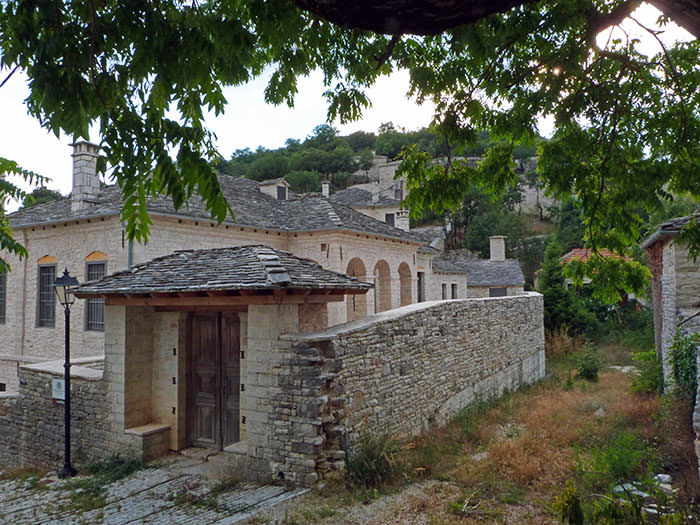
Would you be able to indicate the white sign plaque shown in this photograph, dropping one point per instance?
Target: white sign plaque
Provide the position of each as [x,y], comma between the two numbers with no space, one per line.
[58,389]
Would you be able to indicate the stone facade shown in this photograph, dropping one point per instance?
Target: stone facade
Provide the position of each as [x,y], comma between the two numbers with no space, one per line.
[71,243]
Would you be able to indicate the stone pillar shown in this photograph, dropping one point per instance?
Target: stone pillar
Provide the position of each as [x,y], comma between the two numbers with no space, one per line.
[86,183]
[264,365]
[498,248]
[326,188]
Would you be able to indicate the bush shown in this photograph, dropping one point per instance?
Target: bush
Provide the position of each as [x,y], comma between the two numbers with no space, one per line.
[685,366]
[588,364]
[622,458]
[650,378]
[372,462]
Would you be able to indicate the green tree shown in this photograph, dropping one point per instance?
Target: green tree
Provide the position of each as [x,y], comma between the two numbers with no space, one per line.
[561,307]
[270,166]
[40,195]
[304,181]
[361,140]
[366,160]
[627,125]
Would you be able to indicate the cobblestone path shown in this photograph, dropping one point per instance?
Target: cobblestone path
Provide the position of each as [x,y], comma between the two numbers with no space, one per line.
[175,493]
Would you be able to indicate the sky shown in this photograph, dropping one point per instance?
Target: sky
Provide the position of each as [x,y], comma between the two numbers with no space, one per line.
[248,121]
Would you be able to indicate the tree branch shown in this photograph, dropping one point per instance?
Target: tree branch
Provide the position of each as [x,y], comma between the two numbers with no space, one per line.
[10,75]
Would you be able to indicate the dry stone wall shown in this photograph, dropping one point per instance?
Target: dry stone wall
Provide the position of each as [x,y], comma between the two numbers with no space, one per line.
[32,424]
[404,371]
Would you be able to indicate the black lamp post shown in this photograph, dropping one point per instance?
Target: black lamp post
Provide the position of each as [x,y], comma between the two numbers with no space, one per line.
[64,286]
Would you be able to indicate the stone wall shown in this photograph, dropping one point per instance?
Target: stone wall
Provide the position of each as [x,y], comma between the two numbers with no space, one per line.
[33,426]
[399,372]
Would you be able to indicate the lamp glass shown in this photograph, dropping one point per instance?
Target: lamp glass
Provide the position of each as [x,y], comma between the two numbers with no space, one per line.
[64,286]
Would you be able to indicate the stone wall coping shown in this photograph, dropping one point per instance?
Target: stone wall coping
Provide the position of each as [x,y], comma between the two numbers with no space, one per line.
[147,430]
[391,315]
[77,371]
[9,395]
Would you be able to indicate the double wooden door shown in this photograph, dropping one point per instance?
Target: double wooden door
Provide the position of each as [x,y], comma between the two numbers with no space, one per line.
[214,380]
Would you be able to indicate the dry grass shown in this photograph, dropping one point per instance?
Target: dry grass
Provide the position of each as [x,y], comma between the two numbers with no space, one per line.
[505,461]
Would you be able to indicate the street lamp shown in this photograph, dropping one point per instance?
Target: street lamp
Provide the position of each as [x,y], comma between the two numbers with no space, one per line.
[64,286]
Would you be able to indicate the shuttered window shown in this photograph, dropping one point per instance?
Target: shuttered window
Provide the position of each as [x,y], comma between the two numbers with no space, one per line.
[95,316]
[3,296]
[46,300]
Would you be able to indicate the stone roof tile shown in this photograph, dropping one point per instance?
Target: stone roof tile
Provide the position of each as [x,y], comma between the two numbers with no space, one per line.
[483,272]
[255,267]
[251,208]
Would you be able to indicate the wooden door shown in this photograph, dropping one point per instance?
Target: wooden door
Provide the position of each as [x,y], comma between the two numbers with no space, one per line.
[214,385]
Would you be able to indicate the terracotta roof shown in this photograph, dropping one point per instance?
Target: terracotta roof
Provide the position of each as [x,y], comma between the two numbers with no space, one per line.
[584,254]
[360,197]
[670,227]
[250,206]
[255,267]
[483,272]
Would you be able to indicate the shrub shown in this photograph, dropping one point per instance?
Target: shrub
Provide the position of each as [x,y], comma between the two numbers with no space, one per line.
[588,364]
[685,366]
[568,506]
[650,378]
[373,460]
[623,457]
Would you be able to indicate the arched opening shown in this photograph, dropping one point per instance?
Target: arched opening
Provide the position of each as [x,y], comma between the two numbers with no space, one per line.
[356,303]
[405,284]
[382,286]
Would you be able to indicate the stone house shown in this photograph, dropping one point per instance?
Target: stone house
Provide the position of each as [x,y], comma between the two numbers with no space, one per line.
[492,277]
[83,232]
[228,350]
[675,295]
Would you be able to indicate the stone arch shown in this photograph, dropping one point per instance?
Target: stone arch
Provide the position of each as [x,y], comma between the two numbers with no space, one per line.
[382,286]
[356,303]
[405,284]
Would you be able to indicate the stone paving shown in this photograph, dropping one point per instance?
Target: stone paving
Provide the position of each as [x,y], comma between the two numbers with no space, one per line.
[176,493]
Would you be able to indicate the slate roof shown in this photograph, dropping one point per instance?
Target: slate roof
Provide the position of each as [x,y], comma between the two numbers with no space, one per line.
[251,207]
[360,197]
[483,272]
[670,227]
[254,267]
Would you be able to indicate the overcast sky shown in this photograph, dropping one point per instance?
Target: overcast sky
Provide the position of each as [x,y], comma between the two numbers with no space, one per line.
[247,122]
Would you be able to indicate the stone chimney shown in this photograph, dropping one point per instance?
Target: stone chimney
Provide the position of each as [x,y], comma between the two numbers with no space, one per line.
[375,193]
[86,182]
[498,248]
[326,188]
[401,220]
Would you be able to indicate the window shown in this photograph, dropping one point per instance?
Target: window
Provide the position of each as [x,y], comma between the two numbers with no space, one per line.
[421,287]
[281,193]
[95,315]
[444,291]
[46,301]
[389,218]
[398,194]
[3,387]
[498,292]
[3,296]
[454,290]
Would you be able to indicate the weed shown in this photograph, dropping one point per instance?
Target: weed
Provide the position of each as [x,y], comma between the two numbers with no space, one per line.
[650,378]
[588,364]
[623,458]
[567,505]
[88,493]
[224,485]
[373,460]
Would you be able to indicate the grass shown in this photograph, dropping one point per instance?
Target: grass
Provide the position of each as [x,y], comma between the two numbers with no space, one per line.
[89,492]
